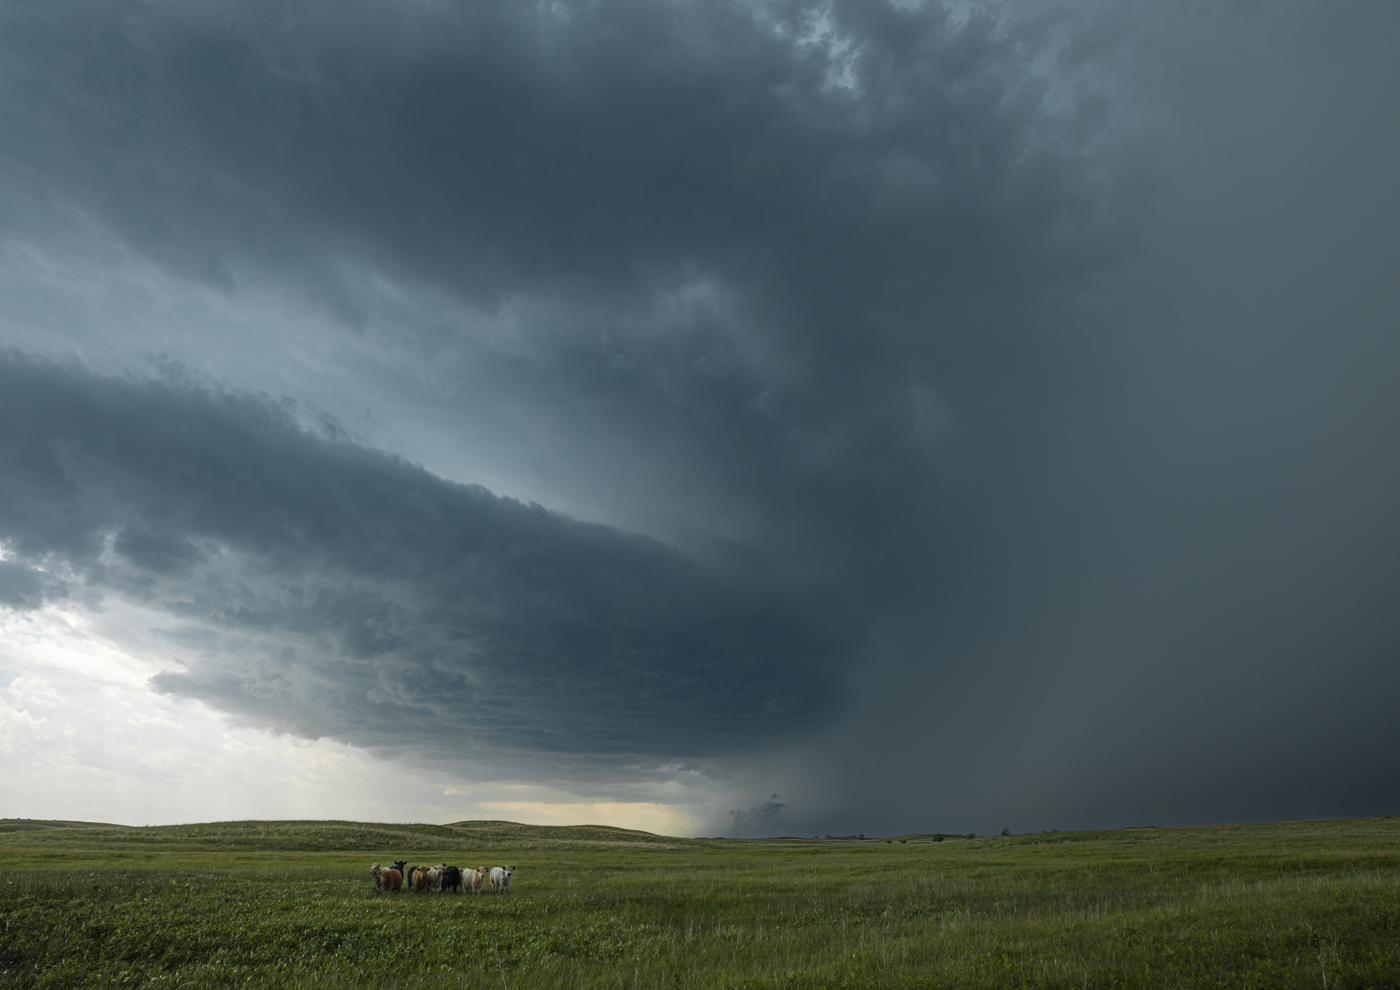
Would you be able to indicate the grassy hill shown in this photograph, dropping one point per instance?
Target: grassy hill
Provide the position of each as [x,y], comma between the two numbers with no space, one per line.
[240,844]
[374,839]
[47,825]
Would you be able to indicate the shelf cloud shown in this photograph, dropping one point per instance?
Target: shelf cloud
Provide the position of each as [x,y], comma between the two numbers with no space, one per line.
[318,587]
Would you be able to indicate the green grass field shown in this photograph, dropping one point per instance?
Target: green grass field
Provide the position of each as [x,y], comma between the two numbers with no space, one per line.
[1295,904]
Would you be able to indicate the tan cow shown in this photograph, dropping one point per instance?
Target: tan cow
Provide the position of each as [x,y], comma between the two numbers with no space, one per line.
[386,880]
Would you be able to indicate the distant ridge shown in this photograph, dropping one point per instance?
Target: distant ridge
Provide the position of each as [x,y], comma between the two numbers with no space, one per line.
[484,836]
[332,836]
[40,825]
[596,833]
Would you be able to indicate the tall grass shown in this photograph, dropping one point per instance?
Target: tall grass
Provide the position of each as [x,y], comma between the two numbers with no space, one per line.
[1287,905]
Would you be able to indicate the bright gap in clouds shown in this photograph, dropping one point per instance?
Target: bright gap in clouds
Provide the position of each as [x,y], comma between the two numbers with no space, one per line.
[78,709]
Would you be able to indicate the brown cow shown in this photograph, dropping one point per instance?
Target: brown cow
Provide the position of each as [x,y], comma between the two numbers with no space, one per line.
[390,880]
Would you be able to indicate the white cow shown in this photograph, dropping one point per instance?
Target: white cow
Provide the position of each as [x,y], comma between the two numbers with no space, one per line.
[500,878]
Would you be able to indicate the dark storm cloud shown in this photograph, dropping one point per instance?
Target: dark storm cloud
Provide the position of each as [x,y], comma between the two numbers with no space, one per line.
[321,588]
[1053,348]
[757,249]
[755,253]
[1182,604]
[823,150]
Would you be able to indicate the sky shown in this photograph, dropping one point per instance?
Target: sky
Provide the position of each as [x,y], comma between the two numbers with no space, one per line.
[714,417]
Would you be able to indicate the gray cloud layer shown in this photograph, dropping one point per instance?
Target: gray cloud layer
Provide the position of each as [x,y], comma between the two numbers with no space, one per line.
[362,598]
[1023,378]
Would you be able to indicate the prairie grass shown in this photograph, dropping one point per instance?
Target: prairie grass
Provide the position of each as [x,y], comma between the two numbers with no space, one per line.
[290,904]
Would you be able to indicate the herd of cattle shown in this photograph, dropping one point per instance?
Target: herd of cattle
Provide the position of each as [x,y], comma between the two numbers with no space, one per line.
[439,878]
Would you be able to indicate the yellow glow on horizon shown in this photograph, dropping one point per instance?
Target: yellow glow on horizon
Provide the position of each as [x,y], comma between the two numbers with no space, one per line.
[661,819]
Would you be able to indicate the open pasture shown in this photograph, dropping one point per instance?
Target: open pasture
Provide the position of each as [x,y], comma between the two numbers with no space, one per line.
[291,904]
